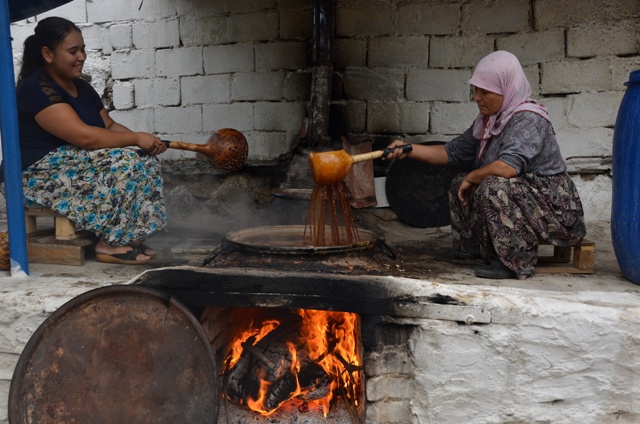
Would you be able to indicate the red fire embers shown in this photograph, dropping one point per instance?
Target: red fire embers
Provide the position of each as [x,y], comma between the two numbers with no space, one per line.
[306,359]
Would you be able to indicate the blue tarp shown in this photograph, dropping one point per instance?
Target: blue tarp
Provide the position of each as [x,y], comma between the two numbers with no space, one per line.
[22,9]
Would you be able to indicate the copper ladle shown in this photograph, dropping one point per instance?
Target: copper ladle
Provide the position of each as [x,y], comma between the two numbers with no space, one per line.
[226,149]
[331,167]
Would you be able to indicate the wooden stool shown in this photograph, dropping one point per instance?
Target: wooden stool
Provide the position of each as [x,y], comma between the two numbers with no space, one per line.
[63,246]
[65,229]
[583,259]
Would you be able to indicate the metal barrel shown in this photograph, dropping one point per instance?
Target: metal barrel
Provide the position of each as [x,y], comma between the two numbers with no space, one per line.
[117,354]
[625,207]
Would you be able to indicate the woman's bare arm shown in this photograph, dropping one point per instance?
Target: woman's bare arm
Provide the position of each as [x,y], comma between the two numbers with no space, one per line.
[63,122]
[431,154]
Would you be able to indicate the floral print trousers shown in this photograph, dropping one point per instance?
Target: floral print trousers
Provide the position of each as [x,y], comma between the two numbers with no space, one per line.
[115,193]
[507,218]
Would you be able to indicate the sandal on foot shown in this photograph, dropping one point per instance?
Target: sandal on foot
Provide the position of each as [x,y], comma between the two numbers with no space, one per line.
[127,258]
[143,248]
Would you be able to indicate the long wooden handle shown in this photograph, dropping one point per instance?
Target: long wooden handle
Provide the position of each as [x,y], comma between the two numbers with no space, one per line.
[182,145]
[379,153]
[367,156]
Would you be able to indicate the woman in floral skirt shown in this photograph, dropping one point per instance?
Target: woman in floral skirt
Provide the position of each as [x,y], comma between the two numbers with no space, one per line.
[76,160]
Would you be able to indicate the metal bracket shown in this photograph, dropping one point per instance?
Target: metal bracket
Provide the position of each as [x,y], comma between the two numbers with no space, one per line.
[466,314]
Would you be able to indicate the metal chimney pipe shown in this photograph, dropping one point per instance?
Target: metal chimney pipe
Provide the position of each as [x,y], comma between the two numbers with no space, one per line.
[319,104]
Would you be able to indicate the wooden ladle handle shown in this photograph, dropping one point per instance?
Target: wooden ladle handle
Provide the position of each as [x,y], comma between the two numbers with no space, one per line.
[380,153]
[182,145]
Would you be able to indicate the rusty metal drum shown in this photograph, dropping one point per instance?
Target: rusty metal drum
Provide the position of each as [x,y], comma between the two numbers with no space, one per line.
[117,354]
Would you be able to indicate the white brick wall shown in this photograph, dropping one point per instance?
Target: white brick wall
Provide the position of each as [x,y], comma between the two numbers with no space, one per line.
[384,51]
[158,35]
[179,62]
[438,85]
[206,89]
[123,95]
[257,86]
[151,92]
[133,64]
[121,37]
[400,68]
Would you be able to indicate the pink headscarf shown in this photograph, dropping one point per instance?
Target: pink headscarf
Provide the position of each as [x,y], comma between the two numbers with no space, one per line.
[500,72]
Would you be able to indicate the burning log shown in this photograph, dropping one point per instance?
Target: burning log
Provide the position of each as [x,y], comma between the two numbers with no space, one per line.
[269,360]
[312,380]
[308,357]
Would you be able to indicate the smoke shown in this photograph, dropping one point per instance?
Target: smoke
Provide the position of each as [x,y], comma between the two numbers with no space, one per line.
[229,210]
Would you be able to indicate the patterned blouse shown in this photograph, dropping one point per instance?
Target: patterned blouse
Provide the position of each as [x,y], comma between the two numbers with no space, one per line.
[528,144]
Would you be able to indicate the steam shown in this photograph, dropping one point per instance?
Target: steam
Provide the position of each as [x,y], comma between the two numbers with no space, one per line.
[189,218]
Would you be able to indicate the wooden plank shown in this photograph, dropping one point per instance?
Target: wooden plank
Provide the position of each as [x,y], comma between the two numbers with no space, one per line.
[46,249]
[85,239]
[31,225]
[40,212]
[583,259]
[360,177]
[56,254]
[65,229]
[561,269]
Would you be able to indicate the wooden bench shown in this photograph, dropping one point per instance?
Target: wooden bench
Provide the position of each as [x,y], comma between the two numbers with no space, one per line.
[64,228]
[61,245]
[575,259]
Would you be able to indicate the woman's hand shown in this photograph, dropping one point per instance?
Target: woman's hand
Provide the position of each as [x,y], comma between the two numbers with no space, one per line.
[396,153]
[150,143]
[466,190]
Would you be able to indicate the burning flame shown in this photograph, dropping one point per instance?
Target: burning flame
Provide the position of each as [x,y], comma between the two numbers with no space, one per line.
[256,334]
[327,341]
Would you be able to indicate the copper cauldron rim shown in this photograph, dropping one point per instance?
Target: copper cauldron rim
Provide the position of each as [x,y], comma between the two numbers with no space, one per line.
[289,239]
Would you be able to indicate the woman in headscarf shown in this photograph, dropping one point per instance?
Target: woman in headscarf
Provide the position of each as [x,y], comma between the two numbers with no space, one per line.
[518,193]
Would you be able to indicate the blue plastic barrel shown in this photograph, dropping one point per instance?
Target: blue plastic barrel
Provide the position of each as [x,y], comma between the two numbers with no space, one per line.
[625,208]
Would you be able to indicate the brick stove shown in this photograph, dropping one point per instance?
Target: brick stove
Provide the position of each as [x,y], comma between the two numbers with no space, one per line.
[388,314]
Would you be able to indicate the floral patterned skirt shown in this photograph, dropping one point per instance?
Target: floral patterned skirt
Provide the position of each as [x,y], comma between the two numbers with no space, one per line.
[115,193]
[508,217]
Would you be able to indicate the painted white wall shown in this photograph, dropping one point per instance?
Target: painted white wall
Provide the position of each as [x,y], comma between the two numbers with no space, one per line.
[548,355]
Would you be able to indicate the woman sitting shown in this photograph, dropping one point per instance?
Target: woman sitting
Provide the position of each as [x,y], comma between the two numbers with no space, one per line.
[76,160]
[519,192]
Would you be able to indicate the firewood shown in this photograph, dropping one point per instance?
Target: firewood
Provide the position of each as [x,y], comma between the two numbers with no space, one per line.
[270,359]
[312,379]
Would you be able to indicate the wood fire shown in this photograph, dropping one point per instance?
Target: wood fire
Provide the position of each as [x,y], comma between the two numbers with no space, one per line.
[303,359]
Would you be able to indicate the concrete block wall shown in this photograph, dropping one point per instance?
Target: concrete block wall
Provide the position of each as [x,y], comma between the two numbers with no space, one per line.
[183,69]
[407,62]
[424,53]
